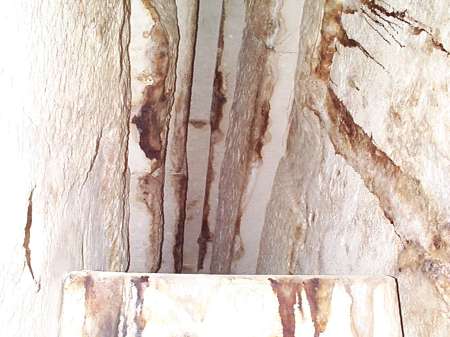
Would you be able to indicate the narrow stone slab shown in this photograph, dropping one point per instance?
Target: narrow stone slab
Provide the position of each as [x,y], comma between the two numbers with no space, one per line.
[159,305]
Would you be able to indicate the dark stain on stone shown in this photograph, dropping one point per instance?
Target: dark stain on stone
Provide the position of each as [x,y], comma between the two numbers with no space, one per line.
[88,285]
[248,128]
[403,17]
[332,30]
[178,174]
[260,126]
[287,293]
[318,293]
[390,185]
[180,183]
[152,189]
[101,308]
[151,121]
[198,123]
[140,285]
[27,238]
[218,102]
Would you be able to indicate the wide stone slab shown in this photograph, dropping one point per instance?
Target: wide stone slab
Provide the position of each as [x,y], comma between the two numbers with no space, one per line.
[100,304]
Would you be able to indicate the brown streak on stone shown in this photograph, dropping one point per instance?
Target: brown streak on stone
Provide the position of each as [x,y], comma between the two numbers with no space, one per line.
[332,30]
[391,186]
[297,236]
[101,308]
[180,183]
[178,150]
[318,293]
[27,238]
[152,189]
[152,124]
[286,292]
[140,284]
[205,232]
[151,120]
[402,16]
[198,123]
[217,105]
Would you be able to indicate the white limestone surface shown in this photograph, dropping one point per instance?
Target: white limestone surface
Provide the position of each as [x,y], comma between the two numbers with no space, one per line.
[161,305]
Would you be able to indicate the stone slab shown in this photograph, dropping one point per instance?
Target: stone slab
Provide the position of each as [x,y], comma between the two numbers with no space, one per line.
[161,305]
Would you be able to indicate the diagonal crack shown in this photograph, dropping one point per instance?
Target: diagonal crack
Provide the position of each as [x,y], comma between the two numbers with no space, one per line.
[403,17]
[94,158]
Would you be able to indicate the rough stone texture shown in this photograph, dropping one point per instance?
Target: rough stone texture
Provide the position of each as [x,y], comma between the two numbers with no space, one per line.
[176,184]
[232,23]
[364,183]
[104,304]
[199,125]
[64,78]
[258,120]
[161,53]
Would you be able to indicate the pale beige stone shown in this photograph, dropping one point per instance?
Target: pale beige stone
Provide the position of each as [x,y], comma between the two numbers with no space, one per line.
[232,23]
[106,304]
[362,187]
[199,126]
[63,132]
[176,180]
[162,55]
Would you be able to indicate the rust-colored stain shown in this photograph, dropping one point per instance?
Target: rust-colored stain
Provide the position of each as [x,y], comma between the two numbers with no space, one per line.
[318,294]
[198,123]
[399,194]
[180,119]
[287,293]
[180,184]
[217,105]
[151,121]
[152,188]
[97,295]
[140,284]
[402,17]
[249,120]
[333,31]
[27,238]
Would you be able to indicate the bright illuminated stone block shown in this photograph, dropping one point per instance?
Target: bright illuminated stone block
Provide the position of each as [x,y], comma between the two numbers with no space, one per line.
[160,305]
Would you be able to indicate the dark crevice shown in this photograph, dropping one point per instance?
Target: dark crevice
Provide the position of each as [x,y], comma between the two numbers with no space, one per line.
[217,105]
[27,238]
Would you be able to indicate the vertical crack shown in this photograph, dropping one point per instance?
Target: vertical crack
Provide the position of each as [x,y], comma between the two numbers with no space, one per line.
[27,238]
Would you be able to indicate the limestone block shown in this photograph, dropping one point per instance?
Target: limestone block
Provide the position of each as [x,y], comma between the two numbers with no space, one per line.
[158,305]
[363,184]
[63,135]
[198,128]
[258,122]
[232,22]
[161,52]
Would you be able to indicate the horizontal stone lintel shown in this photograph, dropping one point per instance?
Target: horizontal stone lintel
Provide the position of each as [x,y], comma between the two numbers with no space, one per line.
[101,304]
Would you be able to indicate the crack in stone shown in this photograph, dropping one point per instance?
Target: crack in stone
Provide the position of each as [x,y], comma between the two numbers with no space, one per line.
[27,238]
[94,158]
[333,30]
[403,17]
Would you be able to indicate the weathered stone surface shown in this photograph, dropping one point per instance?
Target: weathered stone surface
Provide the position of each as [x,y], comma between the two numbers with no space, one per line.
[63,129]
[255,140]
[161,53]
[176,184]
[199,126]
[153,54]
[105,304]
[232,23]
[364,183]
